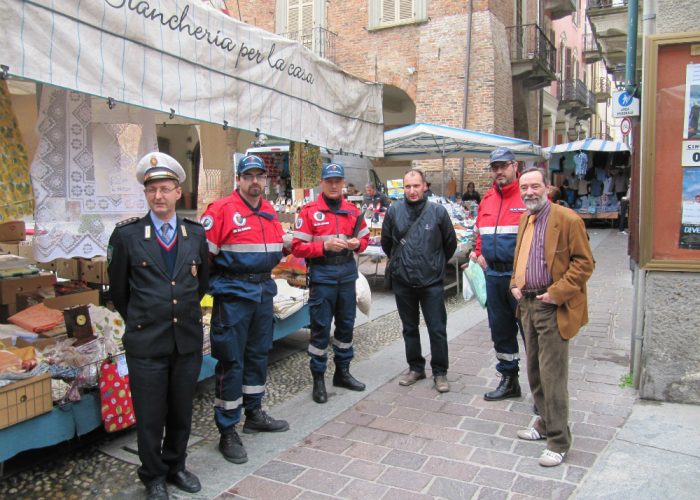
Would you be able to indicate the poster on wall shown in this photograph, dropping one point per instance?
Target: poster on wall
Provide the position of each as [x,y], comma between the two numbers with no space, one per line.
[692,102]
[690,216]
[394,189]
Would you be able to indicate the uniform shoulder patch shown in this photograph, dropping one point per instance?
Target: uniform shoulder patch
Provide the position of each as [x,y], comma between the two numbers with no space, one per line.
[127,222]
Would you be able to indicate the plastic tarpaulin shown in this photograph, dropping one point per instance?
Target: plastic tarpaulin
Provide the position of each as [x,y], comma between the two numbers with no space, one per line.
[588,145]
[192,61]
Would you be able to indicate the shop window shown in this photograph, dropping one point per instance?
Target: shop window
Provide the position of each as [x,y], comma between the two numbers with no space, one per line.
[388,13]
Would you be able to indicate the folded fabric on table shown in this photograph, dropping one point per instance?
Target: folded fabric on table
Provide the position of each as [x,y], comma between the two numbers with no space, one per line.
[288,299]
[37,318]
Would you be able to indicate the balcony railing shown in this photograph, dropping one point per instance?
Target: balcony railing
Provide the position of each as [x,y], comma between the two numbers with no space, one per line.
[528,43]
[604,4]
[576,97]
[601,89]
[318,40]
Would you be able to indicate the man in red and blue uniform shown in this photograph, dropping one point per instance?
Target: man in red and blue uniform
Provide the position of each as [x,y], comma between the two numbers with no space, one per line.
[497,224]
[328,233]
[245,244]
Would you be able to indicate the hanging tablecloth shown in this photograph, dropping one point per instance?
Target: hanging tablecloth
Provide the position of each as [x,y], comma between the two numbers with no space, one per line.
[16,198]
[83,173]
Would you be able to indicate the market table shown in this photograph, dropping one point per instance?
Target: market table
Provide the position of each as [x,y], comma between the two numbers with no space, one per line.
[72,419]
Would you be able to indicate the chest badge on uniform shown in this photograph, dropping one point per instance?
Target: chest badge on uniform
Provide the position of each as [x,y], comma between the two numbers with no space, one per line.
[194,269]
[319,216]
[238,219]
[207,222]
[299,223]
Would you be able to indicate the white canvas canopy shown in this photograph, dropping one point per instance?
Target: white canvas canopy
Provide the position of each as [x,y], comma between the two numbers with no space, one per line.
[587,145]
[189,60]
[424,141]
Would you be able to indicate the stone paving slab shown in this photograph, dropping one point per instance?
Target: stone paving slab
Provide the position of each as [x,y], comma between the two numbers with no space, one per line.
[411,442]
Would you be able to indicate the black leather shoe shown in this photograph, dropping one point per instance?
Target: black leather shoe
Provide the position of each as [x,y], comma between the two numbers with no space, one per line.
[231,447]
[185,481]
[258,421]
[319,393]
[342,378]
[508,388]
[157,491]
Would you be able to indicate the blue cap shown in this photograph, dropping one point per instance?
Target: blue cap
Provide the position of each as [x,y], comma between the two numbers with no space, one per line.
[501,154]
[332,170]
[250,162]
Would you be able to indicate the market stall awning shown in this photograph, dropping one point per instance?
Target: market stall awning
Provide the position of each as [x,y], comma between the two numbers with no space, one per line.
[423,141]
[186,59]
[587,145]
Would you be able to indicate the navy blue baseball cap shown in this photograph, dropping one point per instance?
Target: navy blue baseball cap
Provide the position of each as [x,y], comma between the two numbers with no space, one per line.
[332,170]
[250,162]
[501,154]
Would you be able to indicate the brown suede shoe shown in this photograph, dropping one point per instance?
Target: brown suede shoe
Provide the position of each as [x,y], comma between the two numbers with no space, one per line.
[411,377]
[441,383]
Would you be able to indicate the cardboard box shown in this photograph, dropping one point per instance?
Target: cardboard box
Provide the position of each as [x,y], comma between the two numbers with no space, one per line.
[10,247]
[73,299]
[10,287]
[12,231]
[94,270]
[33,297]
[25,399]
[67,268]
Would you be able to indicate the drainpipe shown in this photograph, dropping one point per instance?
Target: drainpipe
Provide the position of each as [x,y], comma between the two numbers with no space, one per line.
[639,275]
[467,60]
[631,65]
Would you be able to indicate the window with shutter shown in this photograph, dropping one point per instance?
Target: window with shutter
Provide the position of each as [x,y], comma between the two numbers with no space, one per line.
[300,21]
[386,13]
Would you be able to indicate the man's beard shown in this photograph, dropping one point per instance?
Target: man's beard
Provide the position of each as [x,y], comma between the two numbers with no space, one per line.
[536,204]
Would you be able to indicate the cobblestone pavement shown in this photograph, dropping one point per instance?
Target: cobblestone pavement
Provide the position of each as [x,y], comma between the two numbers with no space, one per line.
[81,470]
[410,442]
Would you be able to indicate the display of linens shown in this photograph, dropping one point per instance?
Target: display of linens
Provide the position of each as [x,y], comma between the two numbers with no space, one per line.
[83,173]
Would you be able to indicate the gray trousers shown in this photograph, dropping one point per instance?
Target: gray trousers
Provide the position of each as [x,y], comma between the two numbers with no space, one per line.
[547,371]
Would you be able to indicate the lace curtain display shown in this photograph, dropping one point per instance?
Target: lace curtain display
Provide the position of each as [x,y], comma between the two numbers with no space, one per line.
[83,173]
[16,199]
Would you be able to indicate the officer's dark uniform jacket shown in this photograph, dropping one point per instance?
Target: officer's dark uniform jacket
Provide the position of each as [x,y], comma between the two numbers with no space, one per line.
[161,310]
[497,224]
[317,223]
[421,262]
[246,244]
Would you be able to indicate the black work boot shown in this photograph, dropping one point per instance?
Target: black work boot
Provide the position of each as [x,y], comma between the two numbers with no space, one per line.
[342,378]
[258,421]
[508,388]
[231,447]
[319,391]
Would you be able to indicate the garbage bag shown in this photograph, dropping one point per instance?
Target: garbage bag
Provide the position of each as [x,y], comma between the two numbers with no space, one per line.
[364,294]
[475,277]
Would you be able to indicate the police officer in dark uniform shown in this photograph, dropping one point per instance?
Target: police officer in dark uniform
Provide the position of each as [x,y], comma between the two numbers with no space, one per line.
[158,272]
[245,244]
[329,231]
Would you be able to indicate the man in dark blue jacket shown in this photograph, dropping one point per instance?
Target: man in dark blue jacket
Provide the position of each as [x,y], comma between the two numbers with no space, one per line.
[418,253]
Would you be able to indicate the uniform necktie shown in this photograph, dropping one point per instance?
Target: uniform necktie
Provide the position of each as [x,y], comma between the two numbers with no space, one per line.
[165,231]
[524,253]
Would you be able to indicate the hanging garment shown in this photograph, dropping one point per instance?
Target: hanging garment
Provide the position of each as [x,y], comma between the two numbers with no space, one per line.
[16,197]
[83,173]
[581,161]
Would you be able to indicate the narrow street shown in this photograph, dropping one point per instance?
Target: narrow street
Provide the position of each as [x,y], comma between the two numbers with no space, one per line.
[389,441]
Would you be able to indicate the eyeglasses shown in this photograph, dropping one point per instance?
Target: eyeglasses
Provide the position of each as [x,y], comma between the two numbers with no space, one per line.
[257,177]
[500,166]
[163,190]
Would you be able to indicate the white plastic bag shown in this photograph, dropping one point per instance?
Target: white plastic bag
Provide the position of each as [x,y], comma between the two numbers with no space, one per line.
[467,291]
[364,294]
[477,280]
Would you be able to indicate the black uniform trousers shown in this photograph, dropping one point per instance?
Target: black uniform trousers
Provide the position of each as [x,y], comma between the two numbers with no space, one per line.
[156,408]
[431,300]
[504,325]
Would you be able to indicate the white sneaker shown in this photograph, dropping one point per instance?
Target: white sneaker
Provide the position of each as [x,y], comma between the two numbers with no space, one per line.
[551,458]
[530,434]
